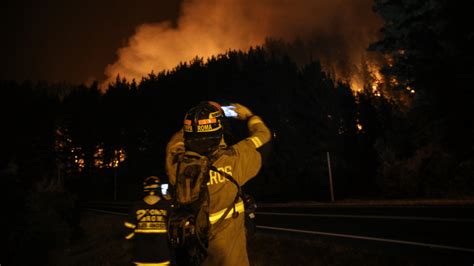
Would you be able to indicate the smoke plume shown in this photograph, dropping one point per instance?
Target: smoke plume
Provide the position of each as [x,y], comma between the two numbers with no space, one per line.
[337,32]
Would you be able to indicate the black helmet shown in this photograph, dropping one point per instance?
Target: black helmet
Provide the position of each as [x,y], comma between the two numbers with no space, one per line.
[151,185]
[203,127]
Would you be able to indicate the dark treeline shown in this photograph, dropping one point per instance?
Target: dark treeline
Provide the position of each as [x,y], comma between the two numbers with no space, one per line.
[77,135]
[63,143]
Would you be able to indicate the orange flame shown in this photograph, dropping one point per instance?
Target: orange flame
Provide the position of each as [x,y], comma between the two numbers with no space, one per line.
[211,27]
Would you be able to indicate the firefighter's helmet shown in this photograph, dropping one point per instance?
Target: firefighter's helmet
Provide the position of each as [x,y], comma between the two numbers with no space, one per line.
[203,127]
[151,185]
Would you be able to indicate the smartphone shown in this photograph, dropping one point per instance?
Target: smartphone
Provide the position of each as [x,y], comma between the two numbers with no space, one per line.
[164,189]
[229,111]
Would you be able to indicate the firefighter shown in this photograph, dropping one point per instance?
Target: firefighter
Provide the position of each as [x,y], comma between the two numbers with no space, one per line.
[146,225]
[202,132]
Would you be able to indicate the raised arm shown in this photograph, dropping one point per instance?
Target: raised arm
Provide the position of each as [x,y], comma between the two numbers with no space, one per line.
[259,133]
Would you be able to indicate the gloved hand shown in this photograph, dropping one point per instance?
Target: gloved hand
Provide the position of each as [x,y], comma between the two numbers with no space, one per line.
[243,112]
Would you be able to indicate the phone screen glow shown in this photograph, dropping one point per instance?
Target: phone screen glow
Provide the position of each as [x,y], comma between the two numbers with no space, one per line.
[164,189]
[229,111]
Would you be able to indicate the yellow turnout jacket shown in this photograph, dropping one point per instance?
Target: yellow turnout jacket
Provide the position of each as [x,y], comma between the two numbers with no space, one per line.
[227,243]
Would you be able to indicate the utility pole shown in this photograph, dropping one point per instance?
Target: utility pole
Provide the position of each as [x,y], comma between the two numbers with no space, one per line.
[115,183]
[330,176]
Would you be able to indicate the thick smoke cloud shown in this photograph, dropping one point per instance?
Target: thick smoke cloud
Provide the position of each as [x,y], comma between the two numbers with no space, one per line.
[336,31]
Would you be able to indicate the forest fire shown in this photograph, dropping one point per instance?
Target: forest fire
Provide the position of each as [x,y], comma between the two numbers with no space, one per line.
[335,32]
[371,78]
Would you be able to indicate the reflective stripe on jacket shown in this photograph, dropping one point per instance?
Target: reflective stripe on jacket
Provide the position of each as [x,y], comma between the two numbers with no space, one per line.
[214,217]
[151,263]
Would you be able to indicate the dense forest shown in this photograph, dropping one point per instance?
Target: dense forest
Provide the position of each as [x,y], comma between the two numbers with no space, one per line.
[63,143]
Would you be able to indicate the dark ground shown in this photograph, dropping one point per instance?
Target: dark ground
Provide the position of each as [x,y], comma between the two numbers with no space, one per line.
[103,244]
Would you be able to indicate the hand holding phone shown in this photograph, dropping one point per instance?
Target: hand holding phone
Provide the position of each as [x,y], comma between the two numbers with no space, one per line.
[229,111]
[243,113]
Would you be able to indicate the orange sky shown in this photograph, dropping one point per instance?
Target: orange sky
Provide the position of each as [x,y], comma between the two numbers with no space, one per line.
[74,40]
[87,40]
[344,29]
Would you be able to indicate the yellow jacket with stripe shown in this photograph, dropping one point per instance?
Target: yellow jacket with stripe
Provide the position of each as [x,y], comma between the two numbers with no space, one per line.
[243,162]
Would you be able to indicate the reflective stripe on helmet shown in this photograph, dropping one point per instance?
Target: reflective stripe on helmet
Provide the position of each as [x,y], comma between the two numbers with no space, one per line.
[214,217]
[208,128]
[152,186]
[207,121]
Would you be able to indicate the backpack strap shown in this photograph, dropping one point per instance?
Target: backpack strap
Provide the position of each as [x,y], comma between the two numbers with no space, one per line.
[236,199]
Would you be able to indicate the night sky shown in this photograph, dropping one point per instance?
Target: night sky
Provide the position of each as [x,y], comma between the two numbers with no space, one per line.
[85,41]
[71,40]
